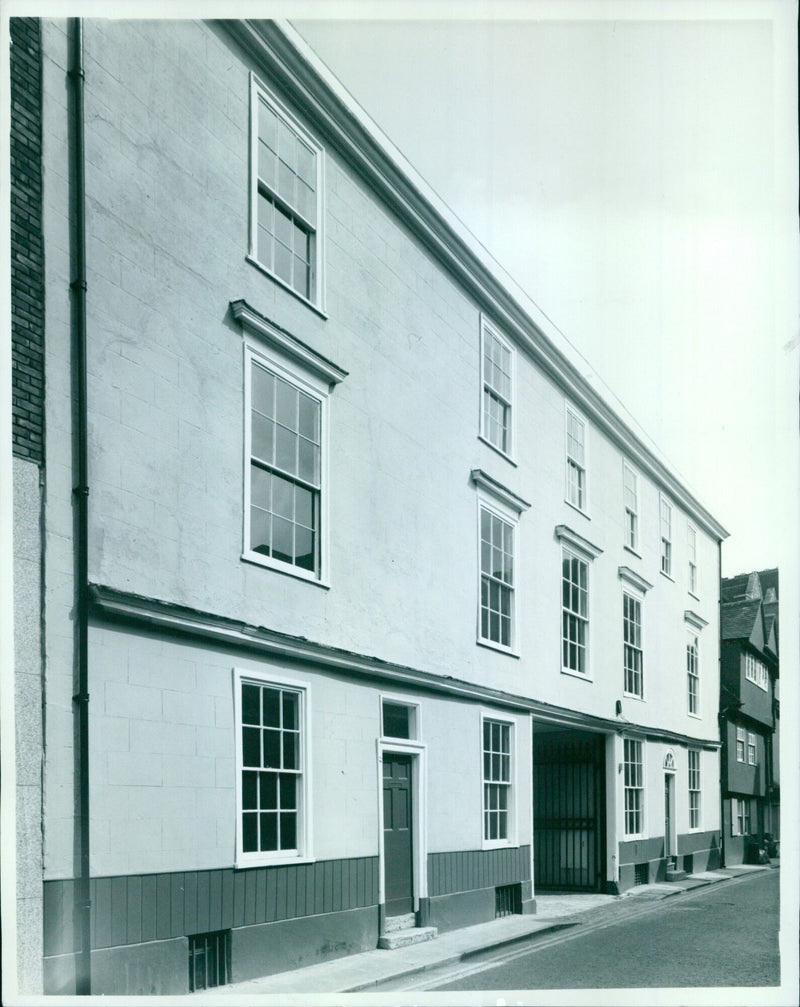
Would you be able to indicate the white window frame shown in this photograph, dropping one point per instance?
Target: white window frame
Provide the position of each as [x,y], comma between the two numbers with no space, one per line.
[573,464]
[693,570]
[489,331]
[630,514]
[633,787]
[503,504]
[665,548]
[695,789]
[693,673]
[638,601]
[512,839]
[740,816]
[316,299]
[741,744]
[752,749]
[572,554]
[304,852]
[755,671]
[312,385]
[414,718]
[501,514]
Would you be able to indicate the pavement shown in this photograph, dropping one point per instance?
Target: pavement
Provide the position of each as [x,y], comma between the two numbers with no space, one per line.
[361,972]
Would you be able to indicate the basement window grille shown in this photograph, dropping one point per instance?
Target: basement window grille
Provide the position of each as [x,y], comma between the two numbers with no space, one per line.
[209,960]
[641,874]
[507,901]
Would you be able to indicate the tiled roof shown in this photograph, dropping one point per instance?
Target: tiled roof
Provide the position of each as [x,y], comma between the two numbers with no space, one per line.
[738,618]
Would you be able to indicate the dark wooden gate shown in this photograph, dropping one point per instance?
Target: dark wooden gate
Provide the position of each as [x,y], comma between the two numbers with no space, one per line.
[569,810]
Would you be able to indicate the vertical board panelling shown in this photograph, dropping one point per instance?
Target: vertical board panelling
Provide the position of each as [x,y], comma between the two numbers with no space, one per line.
[226,917]
[271,895]
[352,884]
[52,911]
[134,921]
[308,885]
[319,885]
[69,917]
[215,900]
[176,915]
[93,912]
[103,912]
[338,884]
[119,910]
[280,894]
[327,886]
[189,904]
[261,895]
[249,898]
[291,893]
[203,915]
[148,907]
[238,899]
[300,890]
[163,907]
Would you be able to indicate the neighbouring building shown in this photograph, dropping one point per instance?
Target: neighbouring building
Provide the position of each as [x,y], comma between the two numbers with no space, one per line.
[363,607]
[749,714]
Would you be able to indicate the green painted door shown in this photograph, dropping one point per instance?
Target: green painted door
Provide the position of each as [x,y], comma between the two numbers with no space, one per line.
[397,835]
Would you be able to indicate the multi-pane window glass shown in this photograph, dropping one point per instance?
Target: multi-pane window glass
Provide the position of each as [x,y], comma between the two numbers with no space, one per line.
[497,578]
[284,471]
[576,460]
[691,541]
[271,768]
[575,612]
[751,749]
[742,816]
[634,788]
[740,739]
[694,789]
[630,493]
[632,635]
[286,225]
[496,391]
[496,779]
[756,671]
[693,673]
[666,537]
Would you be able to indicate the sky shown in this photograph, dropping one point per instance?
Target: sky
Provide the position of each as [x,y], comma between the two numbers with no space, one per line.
[633,167]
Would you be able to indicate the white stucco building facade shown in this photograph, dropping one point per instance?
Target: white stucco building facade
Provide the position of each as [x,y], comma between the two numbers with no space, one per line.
[389,612]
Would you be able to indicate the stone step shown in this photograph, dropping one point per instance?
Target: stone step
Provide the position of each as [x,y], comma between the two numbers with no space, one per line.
[405,922]
[676,875]
[404,938]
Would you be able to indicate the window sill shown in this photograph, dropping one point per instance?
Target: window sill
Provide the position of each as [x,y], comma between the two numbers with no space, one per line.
[581,676]
[282,283]
[633,552]
[490,645]
[632,695]
[243,865]
[500,844]
[288,571]
[635,838]
[667,575]
[693,595]
[694,716]
[575,507]
[497,450]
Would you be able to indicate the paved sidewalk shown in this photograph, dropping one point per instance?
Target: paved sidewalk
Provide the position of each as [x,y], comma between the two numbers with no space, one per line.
[360,972]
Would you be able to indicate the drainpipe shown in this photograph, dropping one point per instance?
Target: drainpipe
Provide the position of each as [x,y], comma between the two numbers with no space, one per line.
[80,501]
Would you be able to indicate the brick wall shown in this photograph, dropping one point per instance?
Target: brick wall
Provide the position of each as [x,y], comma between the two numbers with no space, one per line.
[27,257]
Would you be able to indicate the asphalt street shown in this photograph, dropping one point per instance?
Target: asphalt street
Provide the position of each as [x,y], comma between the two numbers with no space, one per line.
[723,935]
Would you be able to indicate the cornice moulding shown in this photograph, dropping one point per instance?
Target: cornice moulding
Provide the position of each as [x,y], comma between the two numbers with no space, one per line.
[571,538]
[694,619]
[282,340]
[113,604]
[632,577]
[499,491]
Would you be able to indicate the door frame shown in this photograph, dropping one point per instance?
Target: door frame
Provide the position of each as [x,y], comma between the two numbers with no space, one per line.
[670,840]
[417,752]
